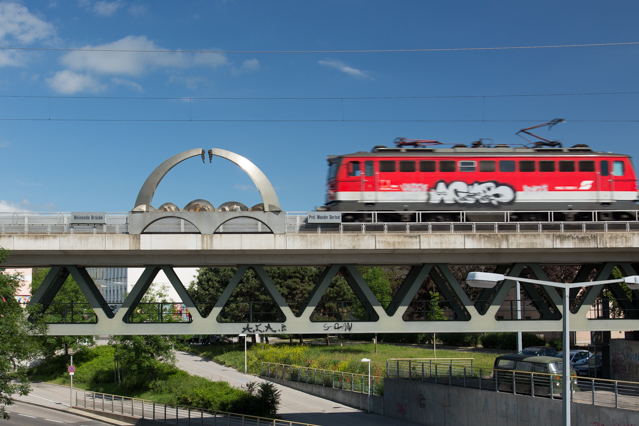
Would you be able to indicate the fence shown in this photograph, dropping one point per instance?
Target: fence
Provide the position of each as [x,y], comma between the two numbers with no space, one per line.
[601,392]
[352,382]
[170,413]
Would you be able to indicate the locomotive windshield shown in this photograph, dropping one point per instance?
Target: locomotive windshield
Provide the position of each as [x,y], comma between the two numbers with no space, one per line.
[333,167]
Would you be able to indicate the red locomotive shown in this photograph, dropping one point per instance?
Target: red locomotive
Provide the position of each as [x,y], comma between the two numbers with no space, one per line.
[529,180]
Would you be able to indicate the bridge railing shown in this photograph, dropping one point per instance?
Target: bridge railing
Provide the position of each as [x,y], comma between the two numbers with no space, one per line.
[170,413]
[60,223]
[352,382]
[585,390]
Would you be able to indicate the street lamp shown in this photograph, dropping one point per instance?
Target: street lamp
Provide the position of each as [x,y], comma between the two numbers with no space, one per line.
[244,335]
[490,280]
[369,382]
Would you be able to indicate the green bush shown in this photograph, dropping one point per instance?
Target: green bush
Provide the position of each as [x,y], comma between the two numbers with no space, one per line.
[509,340]
[459,339]
[557,344]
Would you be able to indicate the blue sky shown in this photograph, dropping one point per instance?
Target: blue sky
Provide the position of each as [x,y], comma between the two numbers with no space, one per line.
[80,130]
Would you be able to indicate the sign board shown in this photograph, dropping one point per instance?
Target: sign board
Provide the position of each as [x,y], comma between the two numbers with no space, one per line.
[88,217]
[71,370]
[324,217]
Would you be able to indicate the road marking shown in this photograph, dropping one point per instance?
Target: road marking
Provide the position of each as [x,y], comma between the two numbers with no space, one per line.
[26,415]
[55,421]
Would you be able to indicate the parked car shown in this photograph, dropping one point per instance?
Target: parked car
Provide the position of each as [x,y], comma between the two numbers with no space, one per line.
[539,351]
[519,373]
[591,367]
[577,357]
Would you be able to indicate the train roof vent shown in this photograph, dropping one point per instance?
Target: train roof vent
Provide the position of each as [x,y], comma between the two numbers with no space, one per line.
[580,147]
[459,145]
[378,148]
[501,145]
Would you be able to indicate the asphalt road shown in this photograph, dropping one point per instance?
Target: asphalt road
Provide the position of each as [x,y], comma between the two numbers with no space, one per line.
[296,406]
[25,414]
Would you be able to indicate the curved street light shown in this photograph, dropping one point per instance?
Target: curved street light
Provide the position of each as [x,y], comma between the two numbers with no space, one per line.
[490,280]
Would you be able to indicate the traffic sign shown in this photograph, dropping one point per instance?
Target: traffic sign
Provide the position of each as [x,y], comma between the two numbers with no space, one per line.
[71,370]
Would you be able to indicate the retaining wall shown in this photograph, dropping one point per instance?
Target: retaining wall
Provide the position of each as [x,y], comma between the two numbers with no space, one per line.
[439,405]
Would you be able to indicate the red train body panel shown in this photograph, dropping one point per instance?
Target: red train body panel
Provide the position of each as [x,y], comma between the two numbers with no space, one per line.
[481,179]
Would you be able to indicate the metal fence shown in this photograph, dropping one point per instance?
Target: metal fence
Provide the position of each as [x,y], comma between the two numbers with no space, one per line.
[351,382]
[170,413]
[601,392]
[60,223]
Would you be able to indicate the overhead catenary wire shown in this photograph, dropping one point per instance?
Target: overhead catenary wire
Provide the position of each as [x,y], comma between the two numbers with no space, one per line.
[421,50]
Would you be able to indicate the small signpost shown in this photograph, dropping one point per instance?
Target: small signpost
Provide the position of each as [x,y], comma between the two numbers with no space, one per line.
[71,373]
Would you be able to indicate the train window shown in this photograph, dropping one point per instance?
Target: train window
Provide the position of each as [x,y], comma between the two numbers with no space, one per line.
[506,166]
[369,167]
[617,168]
[526,166]
[467,166]
[386,166]
[487,166]
[605,168]
[353,168]
[427,166]
[586,166]
[566,166]
[406,166]
[546,166]
[446,166]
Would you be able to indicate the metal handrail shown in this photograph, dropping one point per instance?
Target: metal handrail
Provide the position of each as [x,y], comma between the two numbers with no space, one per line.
[592,391]
[141,408]
[321,377]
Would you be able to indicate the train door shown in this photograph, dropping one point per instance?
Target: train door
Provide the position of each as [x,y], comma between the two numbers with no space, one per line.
[605,184]
[370,182]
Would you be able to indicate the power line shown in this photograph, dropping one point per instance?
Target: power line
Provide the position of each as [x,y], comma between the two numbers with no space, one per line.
[451,49]
[310,120]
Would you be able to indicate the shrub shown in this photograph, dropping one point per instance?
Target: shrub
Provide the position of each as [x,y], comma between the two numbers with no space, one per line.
[459,339]
[509,340]
[557,344]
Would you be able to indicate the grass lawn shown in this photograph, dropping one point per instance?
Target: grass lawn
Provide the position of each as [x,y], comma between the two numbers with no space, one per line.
[345,358]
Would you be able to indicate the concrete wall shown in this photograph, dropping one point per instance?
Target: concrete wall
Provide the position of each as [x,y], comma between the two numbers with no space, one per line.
[439,405]
[624,357]
[352,399]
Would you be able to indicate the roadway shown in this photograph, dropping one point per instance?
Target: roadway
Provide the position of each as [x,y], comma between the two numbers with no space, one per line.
[36,415]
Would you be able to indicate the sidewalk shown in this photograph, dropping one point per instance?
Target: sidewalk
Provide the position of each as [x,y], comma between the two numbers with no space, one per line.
[296,405]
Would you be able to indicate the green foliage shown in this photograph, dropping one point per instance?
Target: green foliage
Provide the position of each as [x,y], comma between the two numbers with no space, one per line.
[557,344]
[19,340]
[459,339]
[509,340]
[139,357]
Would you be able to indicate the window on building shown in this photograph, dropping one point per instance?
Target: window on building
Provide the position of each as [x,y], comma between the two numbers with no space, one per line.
[406,166]
[467,166]
[487,166]
[566,166]
[586,166]
[526,166]
[386,166]
[427,166]
[546,166]
[507,166]
[446,166]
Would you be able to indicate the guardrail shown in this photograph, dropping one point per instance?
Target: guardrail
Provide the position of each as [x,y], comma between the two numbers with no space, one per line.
[352,382]
[592,391]
[60,223]
[170,413]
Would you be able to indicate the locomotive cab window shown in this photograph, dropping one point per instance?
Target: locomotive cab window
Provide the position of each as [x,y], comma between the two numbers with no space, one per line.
[467,166]
[527,166]
[506,166]
[586,166]
[387,166]
[406,166]
[369,168]
[353,168]
[487,166]
[546,166]
[617,168]
[605,168]
[446,166]
[566,166]
[427,166]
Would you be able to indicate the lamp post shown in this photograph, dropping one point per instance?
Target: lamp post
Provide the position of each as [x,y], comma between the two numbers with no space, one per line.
[369,382]
[490,280]
[244,335]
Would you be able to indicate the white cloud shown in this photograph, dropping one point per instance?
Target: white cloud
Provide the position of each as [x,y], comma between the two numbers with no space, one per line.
[191,83]
[130,84]
[107,8]
[19,25]
[68,82]
[4,144]
[7,206]
[341,66]
[247,66]
[211,59]
[137,10]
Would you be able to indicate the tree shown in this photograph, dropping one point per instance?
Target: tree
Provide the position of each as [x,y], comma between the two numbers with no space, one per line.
[69,296]
[18,340]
